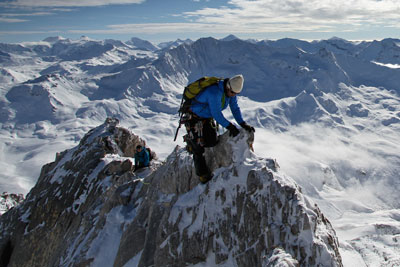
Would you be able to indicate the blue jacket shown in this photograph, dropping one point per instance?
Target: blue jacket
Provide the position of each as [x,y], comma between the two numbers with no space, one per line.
[142,158]
[210,104]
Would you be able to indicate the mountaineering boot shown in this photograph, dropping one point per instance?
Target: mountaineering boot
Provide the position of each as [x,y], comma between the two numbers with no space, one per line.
[205,178]
[202,170]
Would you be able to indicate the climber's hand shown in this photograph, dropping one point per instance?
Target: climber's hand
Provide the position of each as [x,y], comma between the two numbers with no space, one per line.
[233,131]
[247,127]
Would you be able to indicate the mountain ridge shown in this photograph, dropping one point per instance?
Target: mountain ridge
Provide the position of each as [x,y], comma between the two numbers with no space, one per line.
[166,217]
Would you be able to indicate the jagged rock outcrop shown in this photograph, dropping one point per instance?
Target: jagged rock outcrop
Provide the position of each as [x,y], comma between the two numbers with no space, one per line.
[89,209]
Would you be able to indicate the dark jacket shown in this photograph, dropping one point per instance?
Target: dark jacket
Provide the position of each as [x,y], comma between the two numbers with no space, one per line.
[142,158]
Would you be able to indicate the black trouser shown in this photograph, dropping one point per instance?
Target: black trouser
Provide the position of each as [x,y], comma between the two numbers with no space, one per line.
[201,133]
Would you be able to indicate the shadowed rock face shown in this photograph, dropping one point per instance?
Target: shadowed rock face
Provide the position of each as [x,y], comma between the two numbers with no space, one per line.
[89,209]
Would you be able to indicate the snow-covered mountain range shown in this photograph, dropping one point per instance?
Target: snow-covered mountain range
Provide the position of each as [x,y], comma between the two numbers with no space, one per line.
[328,111]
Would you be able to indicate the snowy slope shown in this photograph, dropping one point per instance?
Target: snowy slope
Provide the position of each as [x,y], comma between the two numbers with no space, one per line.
[142,44]
[328,111]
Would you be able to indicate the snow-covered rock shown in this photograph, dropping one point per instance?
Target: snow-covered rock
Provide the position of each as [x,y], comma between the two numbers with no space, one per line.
[54,39]
[174,44]
[8,201]
[385,51]
[142,44]
[89,209]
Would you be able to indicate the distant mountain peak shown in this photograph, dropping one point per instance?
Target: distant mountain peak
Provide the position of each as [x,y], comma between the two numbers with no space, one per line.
[173,44]
[337,38]
[142,44]
[230,37]
[85,38]
[54,39]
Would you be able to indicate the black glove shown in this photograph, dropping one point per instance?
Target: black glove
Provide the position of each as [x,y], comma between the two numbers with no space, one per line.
[247,127]
[233,131]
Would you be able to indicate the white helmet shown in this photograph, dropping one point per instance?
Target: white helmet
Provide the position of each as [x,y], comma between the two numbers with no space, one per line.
[236,83]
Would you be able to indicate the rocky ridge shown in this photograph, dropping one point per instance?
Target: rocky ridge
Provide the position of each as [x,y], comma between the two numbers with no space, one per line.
[89,209]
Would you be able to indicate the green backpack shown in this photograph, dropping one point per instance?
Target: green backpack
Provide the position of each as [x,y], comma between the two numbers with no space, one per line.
[189,94]
[195,88]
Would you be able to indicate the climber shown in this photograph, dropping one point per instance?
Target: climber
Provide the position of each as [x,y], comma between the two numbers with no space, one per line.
[142,158]
[199,120]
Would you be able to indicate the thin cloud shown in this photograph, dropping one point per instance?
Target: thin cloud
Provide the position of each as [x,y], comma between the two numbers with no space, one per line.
[270,16]
[11,20]
[155,28]
[193,27]
[17,17]
[298,15]
[27,11]
[151,28]
[27,32]
[71,3]
[27,14]
[249,17]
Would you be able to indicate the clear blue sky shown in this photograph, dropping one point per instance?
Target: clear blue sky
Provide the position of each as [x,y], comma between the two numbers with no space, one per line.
[167,20]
